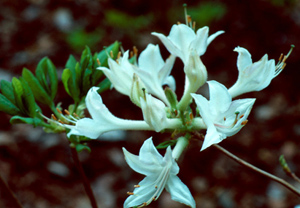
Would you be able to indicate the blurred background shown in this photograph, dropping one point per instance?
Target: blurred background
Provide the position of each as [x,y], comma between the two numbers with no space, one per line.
[38,167]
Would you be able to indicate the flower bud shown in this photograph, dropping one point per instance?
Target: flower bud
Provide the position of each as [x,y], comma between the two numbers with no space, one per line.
[195,71]
[137,90]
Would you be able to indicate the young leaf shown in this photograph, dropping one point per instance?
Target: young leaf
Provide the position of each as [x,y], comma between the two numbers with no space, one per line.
[8,107]
[47,76]
[33,121]
[8,90]
[38,91]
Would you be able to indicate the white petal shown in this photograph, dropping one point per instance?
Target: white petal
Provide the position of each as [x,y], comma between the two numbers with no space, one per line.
[219,98]
[150,59]
[200,42]
[212,137]
[149,154]
[179,191]
[244,58]
[138,165]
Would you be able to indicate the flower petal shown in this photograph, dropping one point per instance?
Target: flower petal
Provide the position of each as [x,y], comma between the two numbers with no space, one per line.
[219,98]
[244,58]
[179,191]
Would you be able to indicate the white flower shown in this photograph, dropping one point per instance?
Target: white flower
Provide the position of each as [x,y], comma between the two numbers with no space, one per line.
[161,172]
[182,39]
[252,76]
[153,71]
[120,73]
[222,116]
[102,119]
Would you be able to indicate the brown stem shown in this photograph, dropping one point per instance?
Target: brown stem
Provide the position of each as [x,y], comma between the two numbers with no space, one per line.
[85,181]
[242,162]
[7,196]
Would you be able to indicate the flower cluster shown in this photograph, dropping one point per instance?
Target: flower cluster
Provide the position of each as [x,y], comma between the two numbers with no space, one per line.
[144,82]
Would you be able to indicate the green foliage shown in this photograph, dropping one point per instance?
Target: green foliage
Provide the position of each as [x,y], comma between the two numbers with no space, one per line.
[122,20]
[79,38]
[165,144]
[79,77]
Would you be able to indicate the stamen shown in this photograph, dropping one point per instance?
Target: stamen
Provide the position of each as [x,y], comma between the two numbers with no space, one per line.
[131,54]
[178,23]
[191,116]
[67,112]
[111,54]
[135,51]
[119,55]
[53,117]
[281,63]
[74,114]
[130,193]
[244,122]
[189,19]
[59,111]
[98,62]
[194,25]
[242,116]
[137,186]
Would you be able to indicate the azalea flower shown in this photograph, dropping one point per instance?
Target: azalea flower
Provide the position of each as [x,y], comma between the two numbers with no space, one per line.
[182,39]
[120,73]
[222,116]
[155,115]
[161,173]
[153,71]
[102,119]
[253,76]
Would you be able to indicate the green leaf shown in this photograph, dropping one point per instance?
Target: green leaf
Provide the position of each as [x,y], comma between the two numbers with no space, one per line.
[165,144]
[284,165]
[71,63]
[104,85]
[71,87]
[38,91]
[8,107]
[7,90]
[33,121]
[86,82]
[47,76]
[18,93]
[81,147]
[28,99]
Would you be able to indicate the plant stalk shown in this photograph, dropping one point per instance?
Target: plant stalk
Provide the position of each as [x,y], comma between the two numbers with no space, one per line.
[85,181]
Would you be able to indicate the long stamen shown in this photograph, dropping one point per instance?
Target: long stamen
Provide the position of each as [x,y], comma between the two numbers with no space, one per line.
[281,62]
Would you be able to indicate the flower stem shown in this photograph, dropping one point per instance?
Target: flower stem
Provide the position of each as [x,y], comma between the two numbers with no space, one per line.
[268,175]
[85,181]
[8,197]
[182,143]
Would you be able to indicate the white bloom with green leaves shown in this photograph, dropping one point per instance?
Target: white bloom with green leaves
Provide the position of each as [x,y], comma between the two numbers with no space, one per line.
[222,116]
[161,173]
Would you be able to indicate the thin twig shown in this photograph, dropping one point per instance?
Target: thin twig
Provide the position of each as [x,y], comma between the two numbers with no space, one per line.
[85,181]
[7,196]
[296,178]
[242,162]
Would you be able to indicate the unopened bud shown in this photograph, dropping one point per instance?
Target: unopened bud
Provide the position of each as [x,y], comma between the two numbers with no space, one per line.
[137,90]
